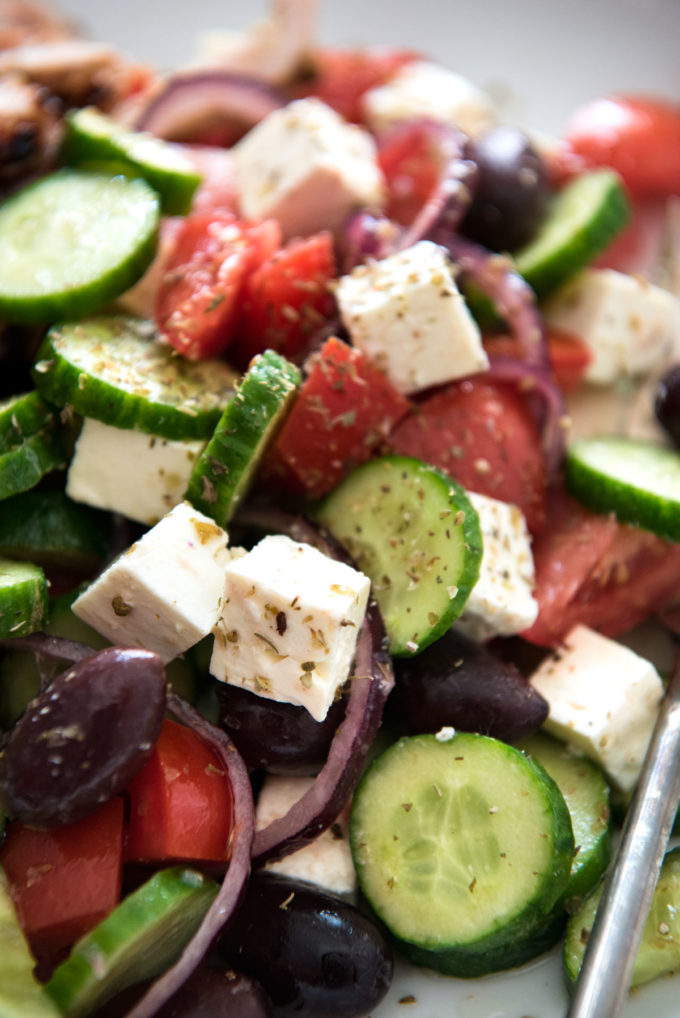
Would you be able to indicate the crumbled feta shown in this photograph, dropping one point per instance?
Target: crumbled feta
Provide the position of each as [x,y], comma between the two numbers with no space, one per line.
[289,623]
[129,472]
[630,325]
[306,167]
[327,861]
[407,314]
[422,89]
[501,602]
[603,700]
[165,592]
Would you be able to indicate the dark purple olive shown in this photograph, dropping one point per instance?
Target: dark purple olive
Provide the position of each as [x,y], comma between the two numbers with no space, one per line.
[460,683]
[82,739]
[512,193]
[316,955]
[218,993]
[667,403]
[276,737]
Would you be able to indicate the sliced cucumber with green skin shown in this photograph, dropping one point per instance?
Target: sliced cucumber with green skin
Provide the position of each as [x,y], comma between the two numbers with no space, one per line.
[22,416]
[112,368]
[21,995]
[226,467]
[463,847]
[49,529]
[23,466]
[637,481]
[93,139]
[584,218]
[73,241]
[23,598]
[415,533]
[143,936]
[659,951]
[586,794]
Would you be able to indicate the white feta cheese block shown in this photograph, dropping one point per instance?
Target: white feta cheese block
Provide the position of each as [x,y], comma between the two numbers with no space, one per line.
[603,699]
[165,592]
[407,314]
[289,623]
[501,603]
[129,472]
[630,325]
[423,89]
[306,167]
[327,861]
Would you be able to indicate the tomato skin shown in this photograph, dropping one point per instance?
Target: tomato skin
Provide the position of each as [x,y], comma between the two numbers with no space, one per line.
[344,76]
[197,305]
[638,137]
[411,173]
[569,355]
[286,299]
[180,802]
[65,880]
[590,569]
[483,435]
[344,410]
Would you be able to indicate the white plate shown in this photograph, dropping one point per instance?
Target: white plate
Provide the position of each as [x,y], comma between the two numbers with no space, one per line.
[539,58]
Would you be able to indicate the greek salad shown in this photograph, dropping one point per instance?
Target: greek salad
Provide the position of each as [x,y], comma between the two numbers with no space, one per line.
[339,510]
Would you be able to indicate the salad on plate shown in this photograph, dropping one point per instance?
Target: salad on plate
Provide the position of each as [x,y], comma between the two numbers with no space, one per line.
[339,540]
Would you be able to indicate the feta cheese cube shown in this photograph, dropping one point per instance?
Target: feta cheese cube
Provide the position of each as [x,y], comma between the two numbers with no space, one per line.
[327,861]
[289,623]
[423,89]
[603,699]
[630,325]
[407,314]
[501,602]
[307,168]
[129,472]
[165,592]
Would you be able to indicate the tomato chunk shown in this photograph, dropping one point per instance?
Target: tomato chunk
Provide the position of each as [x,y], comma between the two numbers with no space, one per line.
[198,300]
[286,299]
[410,169]
[345,408]
[180,802]
[595,571]
[67,879]
[482,434]
[639,137]
[344,76]
[569,355]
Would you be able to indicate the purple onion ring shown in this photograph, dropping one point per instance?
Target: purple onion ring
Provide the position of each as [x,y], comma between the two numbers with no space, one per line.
[47,646]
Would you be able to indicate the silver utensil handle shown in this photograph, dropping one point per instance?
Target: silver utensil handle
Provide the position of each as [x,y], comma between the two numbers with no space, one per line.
[613,944]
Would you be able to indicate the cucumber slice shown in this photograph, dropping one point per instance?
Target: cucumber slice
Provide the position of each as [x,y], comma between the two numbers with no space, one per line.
[49,529]
[463,848]
[586,794]
[23,598]
[659,951]
[415,533]
[21,995]
[227,465]
[23,466]
[93,139]
[584,218]
[111,368]
[73,241]
[20,417]
[638,481]
[141,937]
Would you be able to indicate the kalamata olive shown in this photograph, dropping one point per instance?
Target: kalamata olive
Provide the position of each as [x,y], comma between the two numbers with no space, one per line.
[316,955]
[218,993]
[667,403]
[277,737]
[460,683]
[81,740]
[512,193]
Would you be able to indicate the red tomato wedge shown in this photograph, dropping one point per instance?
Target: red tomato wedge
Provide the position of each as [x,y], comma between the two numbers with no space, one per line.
[592,570]
[198,300]
[67,879]
[180,802]
[482,434]
[639,137]
[569,355]
[344,76]
[411,173]
[286,299]
[345,408]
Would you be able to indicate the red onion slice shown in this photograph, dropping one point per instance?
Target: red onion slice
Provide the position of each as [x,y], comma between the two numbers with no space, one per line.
[47,646]
[229,896]
[191,99]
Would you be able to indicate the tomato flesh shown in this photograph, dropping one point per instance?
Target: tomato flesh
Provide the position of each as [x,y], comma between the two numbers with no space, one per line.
[345,75]
[411,172]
